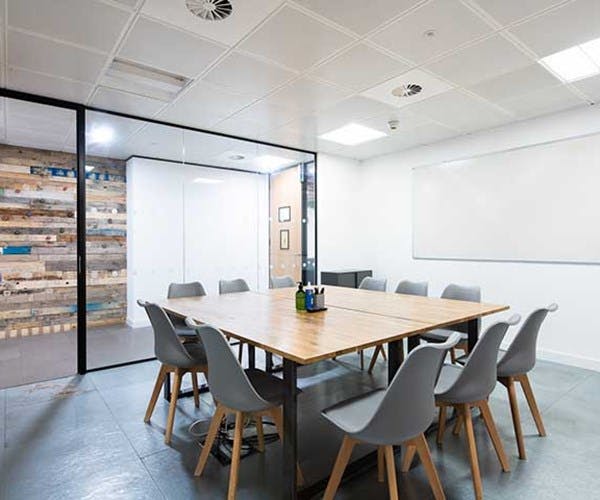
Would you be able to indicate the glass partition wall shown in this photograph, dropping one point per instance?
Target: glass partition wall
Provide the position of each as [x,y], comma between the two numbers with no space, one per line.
[170,205]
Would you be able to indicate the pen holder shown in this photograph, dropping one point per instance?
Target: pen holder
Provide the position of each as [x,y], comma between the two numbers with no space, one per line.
[319,301]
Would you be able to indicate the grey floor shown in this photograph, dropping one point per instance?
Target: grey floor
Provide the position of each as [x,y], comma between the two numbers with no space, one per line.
[83,437]
[45,357]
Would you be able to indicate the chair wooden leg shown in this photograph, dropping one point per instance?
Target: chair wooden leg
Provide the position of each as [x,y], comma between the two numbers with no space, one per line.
[430,470]
[173,405]
[409,456]
[380,464]
[535,412]
[374,359]
[441,425]
[338,469]
[235,455]
[466,412]
[213,429]
[383,353]
[391,472]
[516,416]
[277,416]
[155,392]
[493,432]
[260,432]
[457,424]
[194,375]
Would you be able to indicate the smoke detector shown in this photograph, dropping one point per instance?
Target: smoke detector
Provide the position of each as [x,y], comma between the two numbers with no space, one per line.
[407,90]
[210,10]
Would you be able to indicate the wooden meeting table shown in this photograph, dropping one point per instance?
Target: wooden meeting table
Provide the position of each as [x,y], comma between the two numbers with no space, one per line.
[355,319]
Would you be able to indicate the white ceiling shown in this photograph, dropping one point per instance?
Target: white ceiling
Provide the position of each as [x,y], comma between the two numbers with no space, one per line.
[287,71]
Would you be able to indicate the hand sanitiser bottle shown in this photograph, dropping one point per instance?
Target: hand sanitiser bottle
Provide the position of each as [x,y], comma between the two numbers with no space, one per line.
[300,298]
[309,298]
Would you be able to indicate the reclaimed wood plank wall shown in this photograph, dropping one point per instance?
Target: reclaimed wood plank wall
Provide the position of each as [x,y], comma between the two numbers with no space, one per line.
[38,242]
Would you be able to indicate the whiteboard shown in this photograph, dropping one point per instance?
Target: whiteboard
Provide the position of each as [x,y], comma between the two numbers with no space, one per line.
[539,203]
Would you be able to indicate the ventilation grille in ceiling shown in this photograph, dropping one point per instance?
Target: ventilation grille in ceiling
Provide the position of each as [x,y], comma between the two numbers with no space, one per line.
[407,90]
[210,10]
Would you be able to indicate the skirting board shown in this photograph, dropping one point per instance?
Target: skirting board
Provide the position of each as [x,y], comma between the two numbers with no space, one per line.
[140,323]
[569,359]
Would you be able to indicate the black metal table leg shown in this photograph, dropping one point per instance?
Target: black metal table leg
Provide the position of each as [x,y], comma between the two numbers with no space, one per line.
[395,355]
[472,333]
[290,430]
[269,362]
[413,341]
[251,356]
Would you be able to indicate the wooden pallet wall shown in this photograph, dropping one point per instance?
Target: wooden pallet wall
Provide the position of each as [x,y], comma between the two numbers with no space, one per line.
[38,241]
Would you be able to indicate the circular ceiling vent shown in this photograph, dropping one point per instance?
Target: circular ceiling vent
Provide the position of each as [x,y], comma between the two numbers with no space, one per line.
[210,10]
[407,90]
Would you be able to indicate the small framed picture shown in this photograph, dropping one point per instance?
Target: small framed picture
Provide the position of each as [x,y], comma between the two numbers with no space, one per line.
[284,239]
[284,214]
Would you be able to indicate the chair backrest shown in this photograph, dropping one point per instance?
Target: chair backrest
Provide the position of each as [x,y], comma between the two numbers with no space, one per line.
[461,292]
[520,356]
[192,289]
[228,383]
[413,288]
[282,282]
[167,347]
[233,286]
[376,284]
[407,408]
[478,378]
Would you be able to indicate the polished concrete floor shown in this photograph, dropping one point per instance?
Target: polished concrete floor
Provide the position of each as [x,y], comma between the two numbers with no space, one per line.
[45,357]
[83,437]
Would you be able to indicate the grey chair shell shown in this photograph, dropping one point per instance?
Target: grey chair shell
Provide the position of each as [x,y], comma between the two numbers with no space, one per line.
[282,282]
[477,379]
[179,290]
[520,357]
[375,284]
[403,410]
[233,286]
[413,288]
[167,347]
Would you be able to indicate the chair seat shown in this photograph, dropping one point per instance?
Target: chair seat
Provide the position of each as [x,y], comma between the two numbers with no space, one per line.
[353,414]
[441,336]
[268,386]
[448,375]
[196,351]
[462,360]
[185,331]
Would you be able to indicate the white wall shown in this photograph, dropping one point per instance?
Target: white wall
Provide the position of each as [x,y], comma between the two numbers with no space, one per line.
[179,230]
[572,335]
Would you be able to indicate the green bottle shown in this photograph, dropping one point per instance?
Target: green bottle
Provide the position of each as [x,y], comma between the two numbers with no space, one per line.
[300,297]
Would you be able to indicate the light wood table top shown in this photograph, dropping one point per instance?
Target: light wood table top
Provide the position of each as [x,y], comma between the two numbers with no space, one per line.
[431,310]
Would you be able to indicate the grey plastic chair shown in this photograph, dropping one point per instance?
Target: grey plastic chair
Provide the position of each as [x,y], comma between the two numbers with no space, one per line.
[514,365]
[181,290]
[455,292]
[175,358]
[244,393]
[468,387]
[233,286]
[387,417]
[375,284]
[407,288]
[282,282]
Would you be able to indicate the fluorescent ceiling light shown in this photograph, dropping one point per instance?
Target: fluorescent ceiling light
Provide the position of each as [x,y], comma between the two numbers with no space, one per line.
[352,134]
[271,162]
[206,180]
[101,135]
[575,63]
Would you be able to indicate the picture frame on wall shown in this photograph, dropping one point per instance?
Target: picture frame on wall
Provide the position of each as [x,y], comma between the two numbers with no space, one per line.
[284,239]
[284,214]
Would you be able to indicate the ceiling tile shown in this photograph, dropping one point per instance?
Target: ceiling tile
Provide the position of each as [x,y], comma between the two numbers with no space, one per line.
[128,3]
[430,86]
[295,40]
[453,25]
[407,120]
[37,124]
[245,16]
[509,12]
[246,75]
[482,61]
[460,111]
[515,83]
[360,67]
[203,106]
[269,114]
[590,87]
[36,83]
[84,22]
[358,15]
[576,22]
[125,102]
[542,102]
[153,44]
[54,58]
[308,95]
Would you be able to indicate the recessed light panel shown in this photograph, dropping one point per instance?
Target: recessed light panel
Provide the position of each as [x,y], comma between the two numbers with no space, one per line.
[352,134]
[575,63]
